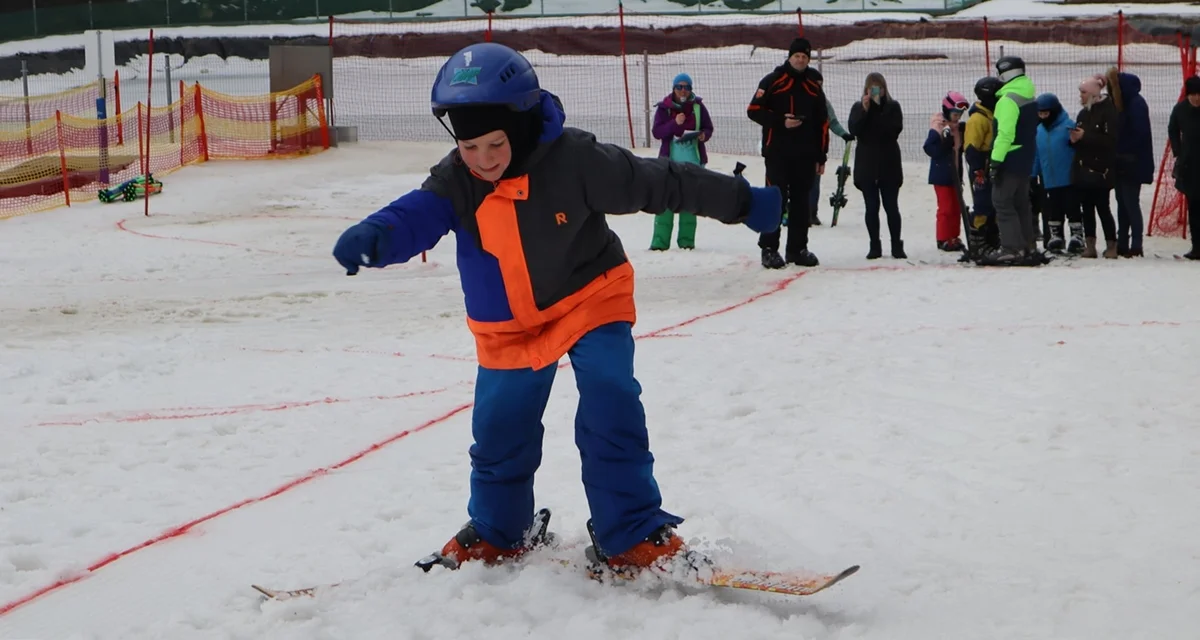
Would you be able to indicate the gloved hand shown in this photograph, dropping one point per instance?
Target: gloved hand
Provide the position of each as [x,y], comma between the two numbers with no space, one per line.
[848,138]
[362,245]
[980,177]
[764,211]
[994,171]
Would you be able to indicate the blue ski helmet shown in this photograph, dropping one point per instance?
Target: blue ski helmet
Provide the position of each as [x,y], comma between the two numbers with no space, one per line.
[485,74]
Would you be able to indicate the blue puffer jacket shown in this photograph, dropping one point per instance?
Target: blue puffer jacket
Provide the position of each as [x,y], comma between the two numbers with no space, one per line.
[1054,152]
[1135,149]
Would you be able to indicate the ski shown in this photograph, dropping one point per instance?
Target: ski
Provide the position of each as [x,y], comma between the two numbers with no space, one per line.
[701,571]
[838,199]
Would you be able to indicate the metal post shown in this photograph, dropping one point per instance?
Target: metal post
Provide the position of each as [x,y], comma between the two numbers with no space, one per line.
[246,11]
[1001,51]
[169,102]
[318,3]
[91,16]
[465,14]
[646,91]
[28,121]
[820,60]
[35,29]
[389,9]
[168,3]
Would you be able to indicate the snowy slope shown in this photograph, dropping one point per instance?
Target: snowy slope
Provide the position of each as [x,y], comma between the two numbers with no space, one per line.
[1008,453]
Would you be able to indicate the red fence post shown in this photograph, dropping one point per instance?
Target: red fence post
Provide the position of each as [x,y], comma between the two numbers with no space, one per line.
[625,71]
[1120,40]
[800,22]
[987,47]
[62,157]
[487,35]
[203,133]
[117,107]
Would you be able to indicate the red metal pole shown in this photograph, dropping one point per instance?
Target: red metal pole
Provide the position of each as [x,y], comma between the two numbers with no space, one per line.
[149,117]
[800,22]
[117,107]
[62,157]
[1120,40]
[625,71]
[987,47]
[487,35]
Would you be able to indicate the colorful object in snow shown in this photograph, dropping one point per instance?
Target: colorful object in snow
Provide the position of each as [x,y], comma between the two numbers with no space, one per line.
[131,189]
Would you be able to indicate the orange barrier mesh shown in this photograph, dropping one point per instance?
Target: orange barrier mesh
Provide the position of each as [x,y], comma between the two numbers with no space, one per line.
[21,113]
[65,159]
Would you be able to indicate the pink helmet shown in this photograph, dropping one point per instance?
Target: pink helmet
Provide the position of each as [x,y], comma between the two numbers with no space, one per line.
[955,101]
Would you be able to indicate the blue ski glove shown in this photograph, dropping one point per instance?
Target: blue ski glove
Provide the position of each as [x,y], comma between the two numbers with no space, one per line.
[361,246]
[765,211]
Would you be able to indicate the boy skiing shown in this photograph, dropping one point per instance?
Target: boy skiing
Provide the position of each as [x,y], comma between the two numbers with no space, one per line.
[543,277]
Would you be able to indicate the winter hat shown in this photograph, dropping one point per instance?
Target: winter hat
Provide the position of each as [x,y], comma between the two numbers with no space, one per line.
[1192,85]
[1048,102]
[800,45]
[682,78]
[1092,86]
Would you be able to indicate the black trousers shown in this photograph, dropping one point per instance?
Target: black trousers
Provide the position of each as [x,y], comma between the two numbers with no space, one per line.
[795,178]
[1059,204]
[1096,201]
[887,196]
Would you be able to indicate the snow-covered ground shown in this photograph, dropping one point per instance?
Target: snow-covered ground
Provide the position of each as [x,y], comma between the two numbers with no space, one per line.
[1007,453]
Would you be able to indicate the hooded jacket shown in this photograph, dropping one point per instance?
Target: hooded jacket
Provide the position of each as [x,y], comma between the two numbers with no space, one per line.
[1096,152]
[785,91]
[978,137]
[1184,134]
[1055,155]
[538,263]
[877,130]
[1135,146]
[945,163]
[666,129]
[1016,126]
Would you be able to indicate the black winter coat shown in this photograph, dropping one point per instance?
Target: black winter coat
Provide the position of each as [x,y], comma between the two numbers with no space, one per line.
[785,91]
[877,133]
[1184,134]
[1095,164]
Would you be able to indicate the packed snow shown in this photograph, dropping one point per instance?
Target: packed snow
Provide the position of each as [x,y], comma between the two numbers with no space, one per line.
[1007,453]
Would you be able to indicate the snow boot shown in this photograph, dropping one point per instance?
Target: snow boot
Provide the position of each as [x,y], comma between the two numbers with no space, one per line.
[772,260]
[898,250]
[950,246]
[1194,254]
[1089,248]
[1075,244]
[1110,249]
[876,250]
[467,545]
[804,258]
[1056,243]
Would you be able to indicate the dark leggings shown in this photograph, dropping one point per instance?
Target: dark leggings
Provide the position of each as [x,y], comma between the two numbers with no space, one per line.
[875,194]
[1095,201]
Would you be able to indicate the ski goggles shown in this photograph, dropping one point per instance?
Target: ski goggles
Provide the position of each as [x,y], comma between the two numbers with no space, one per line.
[683,87]
[961,106]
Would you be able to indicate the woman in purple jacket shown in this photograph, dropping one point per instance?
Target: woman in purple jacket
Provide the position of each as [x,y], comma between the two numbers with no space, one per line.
[683,125]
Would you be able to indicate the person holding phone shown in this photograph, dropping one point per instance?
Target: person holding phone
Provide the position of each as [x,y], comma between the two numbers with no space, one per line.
[683,124]
[1183,130]
[876,121]
[1095,171]
[790,106]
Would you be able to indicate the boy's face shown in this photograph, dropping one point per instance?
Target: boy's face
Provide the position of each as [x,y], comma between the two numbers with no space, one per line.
[1194,99]
[488,155]
[1043,115]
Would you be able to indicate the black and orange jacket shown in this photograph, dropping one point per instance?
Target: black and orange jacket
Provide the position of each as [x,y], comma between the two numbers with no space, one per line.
[538,264]
[785,91]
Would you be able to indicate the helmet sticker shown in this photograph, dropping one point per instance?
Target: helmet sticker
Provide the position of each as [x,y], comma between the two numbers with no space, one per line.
[466,75]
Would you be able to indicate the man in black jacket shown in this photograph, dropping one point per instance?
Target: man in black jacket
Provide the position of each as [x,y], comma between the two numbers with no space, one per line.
[790,106]
[1184,134]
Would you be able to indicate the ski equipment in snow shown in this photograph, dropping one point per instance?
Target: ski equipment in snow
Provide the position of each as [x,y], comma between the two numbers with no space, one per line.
[838,199]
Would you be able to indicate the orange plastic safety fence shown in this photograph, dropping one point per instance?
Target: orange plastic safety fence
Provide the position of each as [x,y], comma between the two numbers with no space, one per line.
[85,155]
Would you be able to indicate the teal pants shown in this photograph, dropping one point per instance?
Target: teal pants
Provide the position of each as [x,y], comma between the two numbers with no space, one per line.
[664,223]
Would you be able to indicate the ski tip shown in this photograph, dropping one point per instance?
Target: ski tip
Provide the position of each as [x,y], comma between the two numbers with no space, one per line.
[269,593]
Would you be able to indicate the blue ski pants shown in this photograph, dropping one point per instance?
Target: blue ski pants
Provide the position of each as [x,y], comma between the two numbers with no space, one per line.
[610,433]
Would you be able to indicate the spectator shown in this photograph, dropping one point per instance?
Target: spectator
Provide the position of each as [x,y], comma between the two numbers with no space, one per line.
[1184,134]
[836,128]
[1055,159]
[876,122]
[683,124]
[1135,158]
[790,106]
[1095,141]
[944,146]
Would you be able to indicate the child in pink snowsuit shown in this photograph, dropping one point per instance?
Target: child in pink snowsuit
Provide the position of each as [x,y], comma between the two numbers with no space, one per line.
[944,146]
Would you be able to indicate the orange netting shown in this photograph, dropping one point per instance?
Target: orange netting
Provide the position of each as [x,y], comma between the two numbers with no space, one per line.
[64,159]
[21,113]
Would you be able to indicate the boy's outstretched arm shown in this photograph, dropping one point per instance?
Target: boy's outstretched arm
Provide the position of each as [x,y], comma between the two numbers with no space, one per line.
[617,181]
[412,223]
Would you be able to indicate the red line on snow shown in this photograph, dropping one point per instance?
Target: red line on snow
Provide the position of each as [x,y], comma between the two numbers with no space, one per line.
[188,526]
[184,528]
[188,413]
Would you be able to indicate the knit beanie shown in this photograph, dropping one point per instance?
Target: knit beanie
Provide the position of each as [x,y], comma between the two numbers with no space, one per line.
[682,78]
[800,45]
[1192,85]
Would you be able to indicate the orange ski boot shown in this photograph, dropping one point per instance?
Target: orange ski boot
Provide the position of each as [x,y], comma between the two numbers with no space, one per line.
[467,545]
[658,551]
